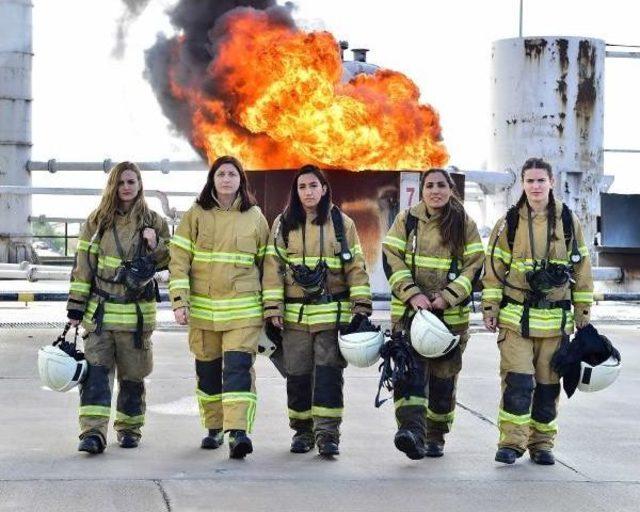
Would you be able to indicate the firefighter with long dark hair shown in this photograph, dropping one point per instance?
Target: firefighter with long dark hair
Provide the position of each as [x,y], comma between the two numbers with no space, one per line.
[120,247]
[537,270]
[314,282]
[216,261]
[432,255]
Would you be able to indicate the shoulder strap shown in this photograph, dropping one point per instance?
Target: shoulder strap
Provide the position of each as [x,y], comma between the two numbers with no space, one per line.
[411,223]
[569,235]
[338,227]
[512,219]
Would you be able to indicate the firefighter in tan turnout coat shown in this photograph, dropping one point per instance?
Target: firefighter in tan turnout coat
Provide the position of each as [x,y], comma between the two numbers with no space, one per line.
[118,318]
[537,270]
[216,262]
[432,256]
[314,280]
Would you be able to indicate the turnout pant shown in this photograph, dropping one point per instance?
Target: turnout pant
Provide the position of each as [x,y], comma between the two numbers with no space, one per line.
[109,353]
[226,387]
[429,408]
[314,368]
[530,392]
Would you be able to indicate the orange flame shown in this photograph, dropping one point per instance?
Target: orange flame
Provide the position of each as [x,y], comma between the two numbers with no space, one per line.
[280,103]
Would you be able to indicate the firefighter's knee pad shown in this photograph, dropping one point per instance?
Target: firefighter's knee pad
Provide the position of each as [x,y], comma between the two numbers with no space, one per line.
[544,402]
[517,393]
[237,371]
[440,393]
[95,390]
[130,397]
[328,386]
[209,375]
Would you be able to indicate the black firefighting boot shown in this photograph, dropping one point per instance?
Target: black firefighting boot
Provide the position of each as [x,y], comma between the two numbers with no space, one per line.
[213,440]
[302,441]
[327,443]
[239,444]
[507,455]
[410,443]
[543,457]
[128,440]
[92,444]
[435,444]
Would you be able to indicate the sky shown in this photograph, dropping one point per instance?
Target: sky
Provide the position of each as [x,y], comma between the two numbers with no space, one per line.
[89,106]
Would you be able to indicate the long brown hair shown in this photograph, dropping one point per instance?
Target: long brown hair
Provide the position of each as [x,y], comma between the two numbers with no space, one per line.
[206,197]
[452,215]
[539,163]
[104,215]
[294,214]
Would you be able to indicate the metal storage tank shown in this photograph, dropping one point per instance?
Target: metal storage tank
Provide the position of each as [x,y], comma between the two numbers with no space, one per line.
[15,128]
[547,100]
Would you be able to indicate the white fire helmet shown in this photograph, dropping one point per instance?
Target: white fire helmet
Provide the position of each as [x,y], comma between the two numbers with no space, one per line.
[595,378]
[430,337]
[58,370]
[361,349]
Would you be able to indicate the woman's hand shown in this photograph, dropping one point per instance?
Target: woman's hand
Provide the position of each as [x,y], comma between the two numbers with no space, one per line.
[181,315]
[491,323]
[438,302]
[149,234]
[277,321]
[420,301]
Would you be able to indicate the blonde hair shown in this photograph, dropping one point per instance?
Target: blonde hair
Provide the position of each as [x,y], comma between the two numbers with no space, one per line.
[104,215]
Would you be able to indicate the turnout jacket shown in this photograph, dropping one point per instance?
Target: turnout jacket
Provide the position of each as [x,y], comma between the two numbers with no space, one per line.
[511,266]
[97,253]
[432,265]
[350,278]
[216,265]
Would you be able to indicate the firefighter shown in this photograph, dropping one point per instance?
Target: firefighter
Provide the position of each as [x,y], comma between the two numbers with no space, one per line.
[432,256]
[314,281]
[537,268]
[216,262]
[113,294]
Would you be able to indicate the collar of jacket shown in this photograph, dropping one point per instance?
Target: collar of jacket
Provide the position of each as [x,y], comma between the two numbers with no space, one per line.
[523,211]
[313,217]
[420,211]
[235,206]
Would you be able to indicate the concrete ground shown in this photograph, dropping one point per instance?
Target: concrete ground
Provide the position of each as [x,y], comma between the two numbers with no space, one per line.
[598,447]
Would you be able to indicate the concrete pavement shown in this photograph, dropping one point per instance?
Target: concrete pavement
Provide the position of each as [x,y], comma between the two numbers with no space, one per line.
[598,446]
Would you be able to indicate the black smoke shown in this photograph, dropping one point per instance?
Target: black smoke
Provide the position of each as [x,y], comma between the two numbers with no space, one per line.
[200,26]
[132,9]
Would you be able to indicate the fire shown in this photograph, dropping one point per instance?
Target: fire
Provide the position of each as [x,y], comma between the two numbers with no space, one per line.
[279,103]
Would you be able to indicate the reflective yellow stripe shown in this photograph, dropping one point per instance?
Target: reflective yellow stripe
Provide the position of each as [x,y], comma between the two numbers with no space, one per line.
[226,316]
[86,246]
[500,254]
[130,420]
[551,427]
[205,398]
[582,297]
[225,304]
[314,314]
[428,262]
[584,251]
[473,248]
[123,314]
[224,257]
[398,243]
[300,415]
[182,284]
[360,291]
[262,250]
[327,412]
[273,294]
[243,396]
[411,401]
[80,287]
[108,262]
[183,243]
[95,410]
[539,319]
[397,276]
[332,262]
[463,281]
[492,294]
[440,418]
[504,416]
